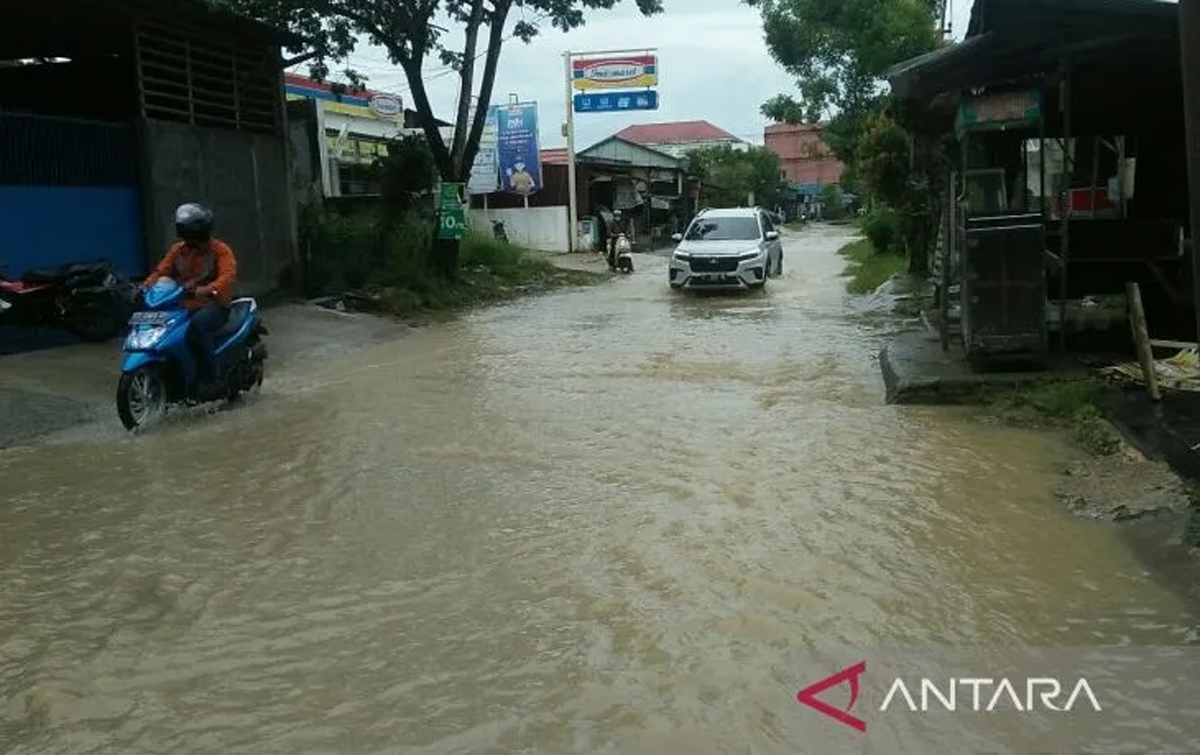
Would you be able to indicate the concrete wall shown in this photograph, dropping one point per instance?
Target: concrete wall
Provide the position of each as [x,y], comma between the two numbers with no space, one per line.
[543,228]
[243,177]
[302,142]
[680,149]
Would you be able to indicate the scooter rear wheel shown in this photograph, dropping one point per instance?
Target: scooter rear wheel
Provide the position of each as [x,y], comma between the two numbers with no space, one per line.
[141,398]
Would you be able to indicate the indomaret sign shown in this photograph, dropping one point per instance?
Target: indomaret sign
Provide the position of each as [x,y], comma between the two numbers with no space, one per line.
[615,72]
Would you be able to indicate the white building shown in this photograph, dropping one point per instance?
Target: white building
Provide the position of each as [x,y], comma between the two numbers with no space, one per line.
[357,126]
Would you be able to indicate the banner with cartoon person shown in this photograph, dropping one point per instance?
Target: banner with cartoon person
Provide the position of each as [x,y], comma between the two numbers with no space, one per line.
[517,148]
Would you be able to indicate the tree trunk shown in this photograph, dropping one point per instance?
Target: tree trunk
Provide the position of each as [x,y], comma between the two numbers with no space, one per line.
[445,257]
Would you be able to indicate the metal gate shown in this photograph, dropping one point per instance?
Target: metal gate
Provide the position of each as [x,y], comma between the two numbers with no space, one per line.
[1004,288]
[68,192]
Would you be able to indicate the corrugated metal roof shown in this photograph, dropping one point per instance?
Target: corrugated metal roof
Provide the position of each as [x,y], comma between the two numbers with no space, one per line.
[1009,39]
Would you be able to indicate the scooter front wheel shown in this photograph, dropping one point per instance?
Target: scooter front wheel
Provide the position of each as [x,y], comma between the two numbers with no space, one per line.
[141,397]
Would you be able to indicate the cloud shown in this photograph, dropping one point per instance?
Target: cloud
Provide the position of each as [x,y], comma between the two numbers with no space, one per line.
[713,66]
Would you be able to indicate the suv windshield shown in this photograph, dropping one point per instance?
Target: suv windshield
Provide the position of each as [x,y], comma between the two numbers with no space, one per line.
[724,229]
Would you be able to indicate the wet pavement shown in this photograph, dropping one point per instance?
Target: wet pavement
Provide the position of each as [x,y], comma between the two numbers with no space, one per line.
[597,521]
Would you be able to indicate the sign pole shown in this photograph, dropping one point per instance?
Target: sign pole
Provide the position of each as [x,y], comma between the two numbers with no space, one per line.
[528,232]
[572,212]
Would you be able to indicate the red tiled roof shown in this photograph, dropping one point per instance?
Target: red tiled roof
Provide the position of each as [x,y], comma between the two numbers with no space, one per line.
[554,156]
[673,133]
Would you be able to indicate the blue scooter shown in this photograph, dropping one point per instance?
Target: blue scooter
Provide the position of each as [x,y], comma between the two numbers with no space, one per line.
[159,368]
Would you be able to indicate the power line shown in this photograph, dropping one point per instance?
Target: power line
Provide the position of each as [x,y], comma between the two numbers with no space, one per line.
[434,74]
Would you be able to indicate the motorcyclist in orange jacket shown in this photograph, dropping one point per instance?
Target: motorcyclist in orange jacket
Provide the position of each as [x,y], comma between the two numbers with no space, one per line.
[207,269]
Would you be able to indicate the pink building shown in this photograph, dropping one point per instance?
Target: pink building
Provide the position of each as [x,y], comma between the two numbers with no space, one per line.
[805,157]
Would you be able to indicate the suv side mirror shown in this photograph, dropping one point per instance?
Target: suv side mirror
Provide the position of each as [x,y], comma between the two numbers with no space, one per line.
[772,235]
[676,237]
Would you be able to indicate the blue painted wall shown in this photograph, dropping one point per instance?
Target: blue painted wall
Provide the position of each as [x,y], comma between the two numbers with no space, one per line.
[43,226]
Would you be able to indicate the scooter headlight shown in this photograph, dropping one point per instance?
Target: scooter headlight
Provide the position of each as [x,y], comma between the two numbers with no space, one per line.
[145,337]
[147,329]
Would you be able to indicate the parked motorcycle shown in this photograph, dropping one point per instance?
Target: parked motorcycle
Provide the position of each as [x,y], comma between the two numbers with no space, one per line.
[87,298]
[159,368]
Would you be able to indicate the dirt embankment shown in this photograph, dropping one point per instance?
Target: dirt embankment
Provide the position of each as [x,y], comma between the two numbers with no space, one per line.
[1123,486]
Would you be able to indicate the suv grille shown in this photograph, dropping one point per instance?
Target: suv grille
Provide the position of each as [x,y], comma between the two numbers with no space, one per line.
[714,264]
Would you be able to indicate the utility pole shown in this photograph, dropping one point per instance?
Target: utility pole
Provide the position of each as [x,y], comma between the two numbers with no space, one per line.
[1189,42]
[569,128]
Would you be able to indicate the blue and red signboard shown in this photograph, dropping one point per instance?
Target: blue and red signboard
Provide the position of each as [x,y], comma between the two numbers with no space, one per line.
[381,104]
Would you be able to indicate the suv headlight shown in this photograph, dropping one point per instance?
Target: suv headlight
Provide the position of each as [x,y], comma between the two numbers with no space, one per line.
[682,255]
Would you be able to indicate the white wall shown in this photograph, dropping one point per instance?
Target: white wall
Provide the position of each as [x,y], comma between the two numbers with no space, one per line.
[679,150]
[543,228]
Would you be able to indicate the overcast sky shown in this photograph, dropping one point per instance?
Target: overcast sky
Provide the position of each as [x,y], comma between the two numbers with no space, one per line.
[713,65]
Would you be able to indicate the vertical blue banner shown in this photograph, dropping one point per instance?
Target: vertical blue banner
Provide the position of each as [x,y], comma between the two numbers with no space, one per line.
[517,151]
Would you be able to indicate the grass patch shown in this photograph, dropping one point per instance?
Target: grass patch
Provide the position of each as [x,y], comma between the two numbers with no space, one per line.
[868,269]
[491,271]
[390,265]
[795,225]
[1070,405]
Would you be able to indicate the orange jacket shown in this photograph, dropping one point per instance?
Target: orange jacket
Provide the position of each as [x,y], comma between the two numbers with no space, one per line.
[214,267]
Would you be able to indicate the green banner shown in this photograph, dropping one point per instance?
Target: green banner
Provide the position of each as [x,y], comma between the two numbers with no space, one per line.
[1000,109]
[452,218]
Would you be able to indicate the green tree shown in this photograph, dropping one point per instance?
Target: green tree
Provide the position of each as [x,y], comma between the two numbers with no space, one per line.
[830,198]
[730,176]
[412,32]
[407,177]
[882,160]
[899,171]
[838,50]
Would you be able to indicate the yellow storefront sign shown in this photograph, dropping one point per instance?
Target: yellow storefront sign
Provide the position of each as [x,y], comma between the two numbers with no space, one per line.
[356,150]
[343,108]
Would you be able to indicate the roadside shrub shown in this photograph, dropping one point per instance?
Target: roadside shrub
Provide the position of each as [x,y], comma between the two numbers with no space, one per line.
[338,251]
[506,261]
[882,229]
[404,252]
[390,257]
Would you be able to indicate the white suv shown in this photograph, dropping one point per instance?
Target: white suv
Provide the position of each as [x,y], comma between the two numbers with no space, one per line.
[737,248]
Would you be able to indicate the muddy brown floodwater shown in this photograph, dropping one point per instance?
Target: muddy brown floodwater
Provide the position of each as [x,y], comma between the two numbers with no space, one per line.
[589,522]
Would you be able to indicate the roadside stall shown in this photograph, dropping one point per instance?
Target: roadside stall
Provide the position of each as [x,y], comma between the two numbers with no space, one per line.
[1000,229]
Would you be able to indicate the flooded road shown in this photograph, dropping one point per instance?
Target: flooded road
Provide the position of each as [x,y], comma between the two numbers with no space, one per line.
[590,522]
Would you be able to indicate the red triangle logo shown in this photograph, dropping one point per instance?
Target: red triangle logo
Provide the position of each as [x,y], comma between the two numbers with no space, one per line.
[808,696]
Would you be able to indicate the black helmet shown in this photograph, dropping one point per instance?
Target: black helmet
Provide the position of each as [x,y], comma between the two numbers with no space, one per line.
[194,223]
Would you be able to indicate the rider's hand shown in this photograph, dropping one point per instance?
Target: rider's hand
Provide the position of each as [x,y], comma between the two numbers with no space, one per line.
[204,291]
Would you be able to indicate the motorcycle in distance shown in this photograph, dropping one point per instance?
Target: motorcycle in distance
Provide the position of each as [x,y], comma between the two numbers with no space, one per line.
[159,368]
[498,231]
[88,299]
